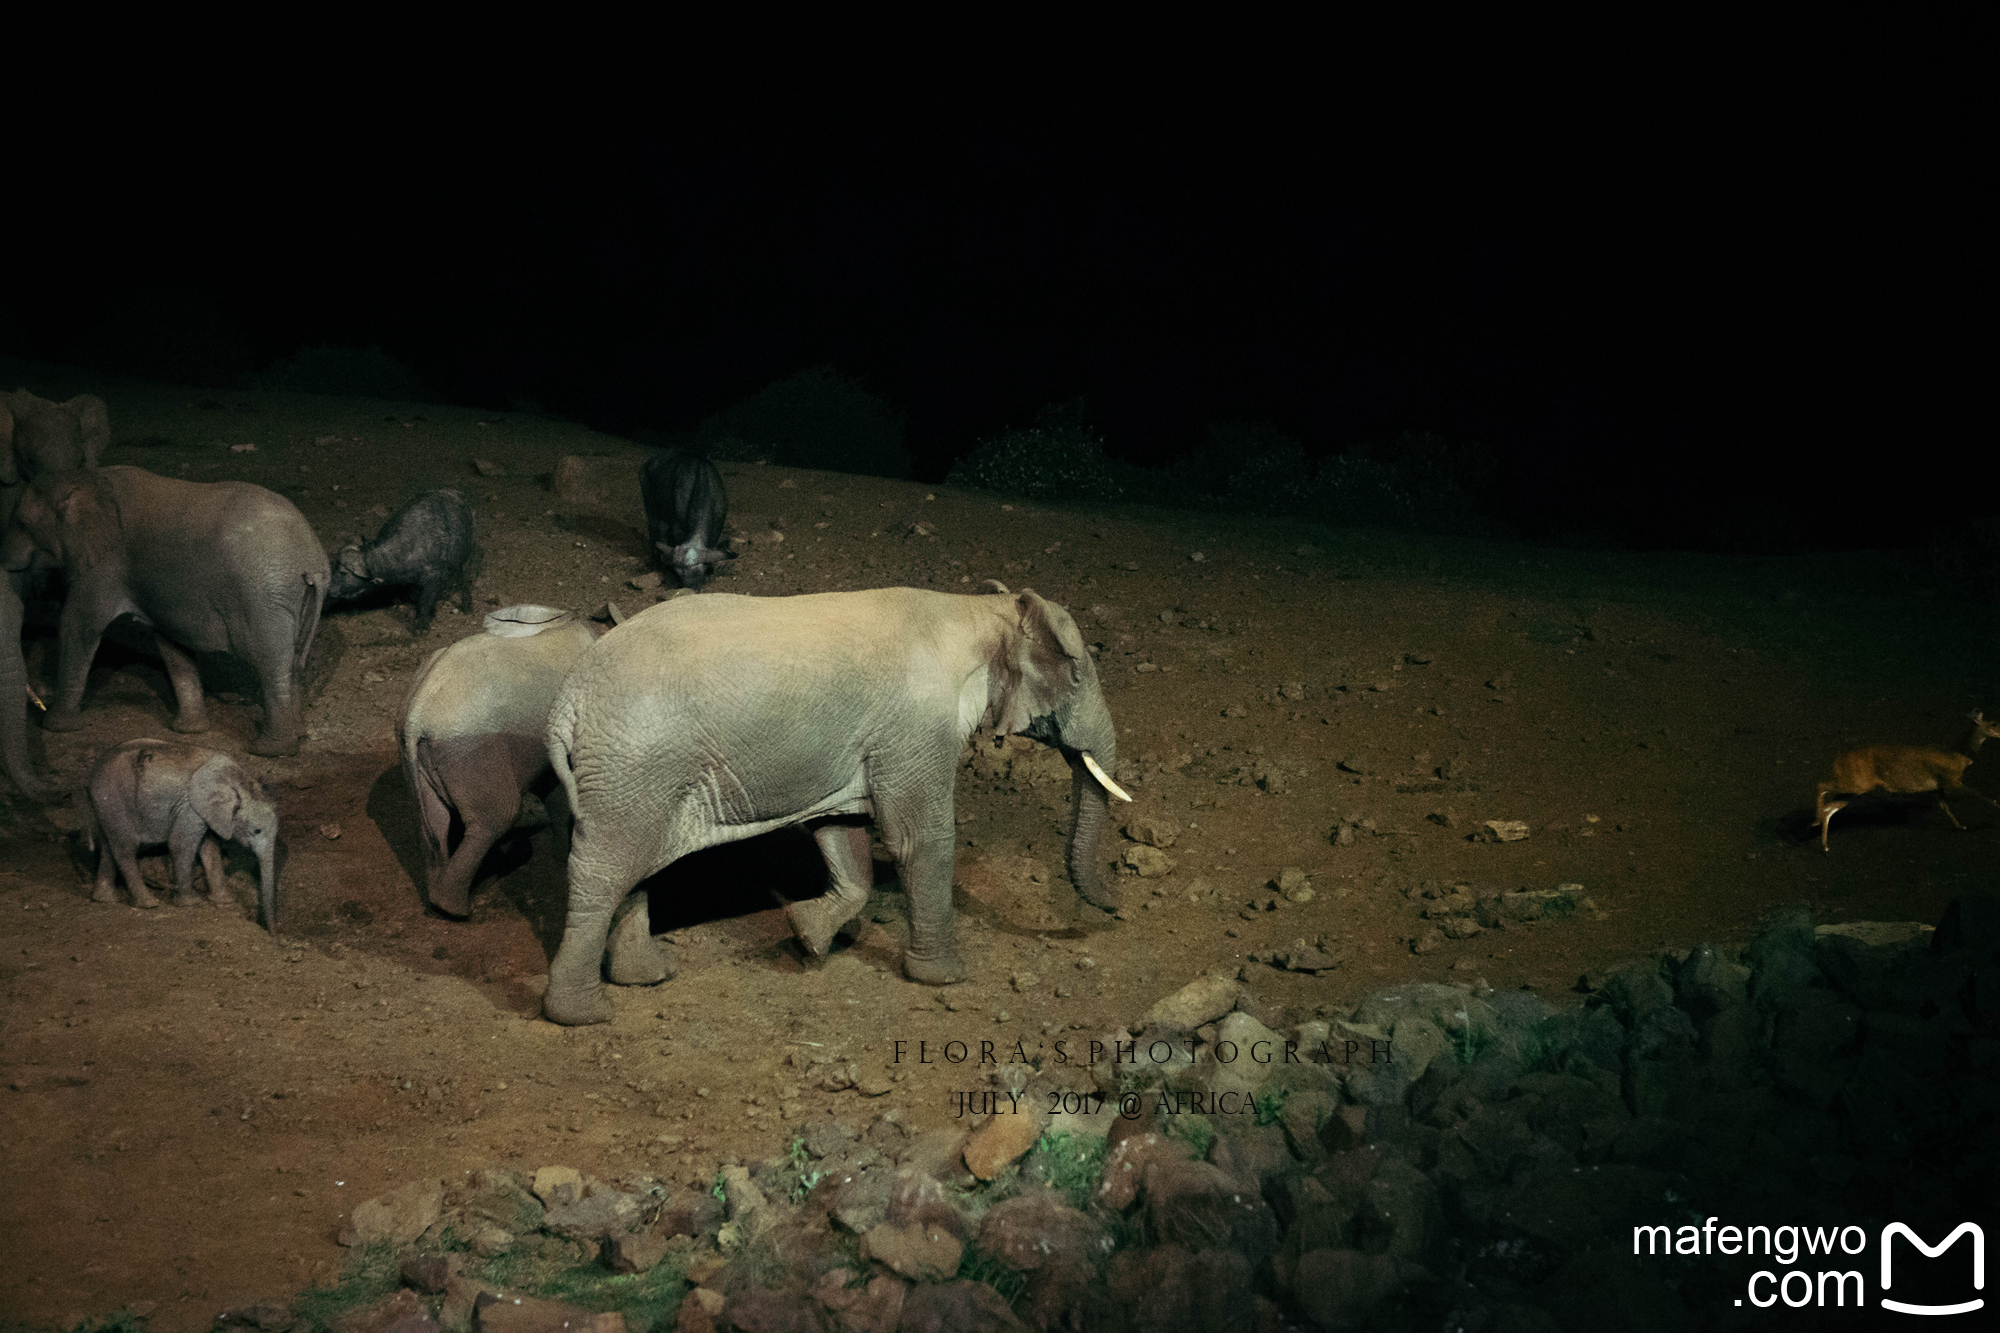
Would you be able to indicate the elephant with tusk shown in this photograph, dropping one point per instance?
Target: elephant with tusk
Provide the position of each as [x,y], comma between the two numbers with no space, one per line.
[708,719]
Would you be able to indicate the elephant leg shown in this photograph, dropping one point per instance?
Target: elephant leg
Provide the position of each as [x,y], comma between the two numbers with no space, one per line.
[14,705]
[183,845]
[77,634]
[636,958]
[919,833]
[277,673]
[211,867]
[850,872]
[598,882]
[106,889]
[451,887]
[191,710]
[127,856]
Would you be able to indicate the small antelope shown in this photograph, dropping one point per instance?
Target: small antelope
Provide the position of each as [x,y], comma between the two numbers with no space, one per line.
[1904,770]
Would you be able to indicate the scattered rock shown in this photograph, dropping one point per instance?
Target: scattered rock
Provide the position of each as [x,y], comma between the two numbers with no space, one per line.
[1152,830]
[398,1217]
[1501,830]
[926,1253]
[1001,1141]
[1148,862]
[486,467]
[329,831]
[555,1185]
[629,1253]
[1125,1166]
[650,579]
[600,1212]
[964,1306]
[1294,885]
[1202,1000]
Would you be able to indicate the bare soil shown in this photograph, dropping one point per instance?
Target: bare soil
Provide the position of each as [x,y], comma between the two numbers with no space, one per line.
[189,1110]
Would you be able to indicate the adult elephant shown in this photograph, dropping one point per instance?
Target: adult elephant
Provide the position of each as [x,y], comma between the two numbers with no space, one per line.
[36,436]
[220,566]
[708,719]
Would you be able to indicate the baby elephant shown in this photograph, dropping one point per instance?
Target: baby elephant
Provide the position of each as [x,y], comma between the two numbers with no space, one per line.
[686,508]
[151,791]
[471,733]
[428,543]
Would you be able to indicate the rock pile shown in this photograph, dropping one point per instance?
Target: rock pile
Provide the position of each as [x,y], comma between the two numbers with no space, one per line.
[1441,1156]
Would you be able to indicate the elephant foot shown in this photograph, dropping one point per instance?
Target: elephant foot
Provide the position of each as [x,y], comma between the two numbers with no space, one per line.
[104,893]
[570,1010]
[940,971]
[141,898]
[818,921]
[59,719]
[636,958]
[274,747]
[454,903]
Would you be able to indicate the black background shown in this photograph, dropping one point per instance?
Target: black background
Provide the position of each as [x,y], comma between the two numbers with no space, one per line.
[1712,297]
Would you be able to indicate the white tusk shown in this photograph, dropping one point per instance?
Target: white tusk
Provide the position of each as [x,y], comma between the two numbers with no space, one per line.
[38,699]
[617,616]
[1097,771]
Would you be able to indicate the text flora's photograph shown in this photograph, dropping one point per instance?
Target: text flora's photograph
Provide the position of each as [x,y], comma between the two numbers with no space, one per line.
[992,722]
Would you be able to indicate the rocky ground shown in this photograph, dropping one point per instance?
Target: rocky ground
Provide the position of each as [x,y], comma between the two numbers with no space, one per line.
[1319,724]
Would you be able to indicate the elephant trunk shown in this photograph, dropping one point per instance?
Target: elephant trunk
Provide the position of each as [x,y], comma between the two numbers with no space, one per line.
[267,881]
[1090,732]
[14,703]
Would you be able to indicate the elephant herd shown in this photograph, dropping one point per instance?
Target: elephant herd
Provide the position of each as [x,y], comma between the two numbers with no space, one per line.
[699,721]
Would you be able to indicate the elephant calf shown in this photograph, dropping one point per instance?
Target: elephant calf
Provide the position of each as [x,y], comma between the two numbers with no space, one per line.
[151,791]
[472,736]
[708,719]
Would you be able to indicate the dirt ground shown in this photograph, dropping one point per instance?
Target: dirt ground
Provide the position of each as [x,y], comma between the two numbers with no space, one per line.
[189,1110]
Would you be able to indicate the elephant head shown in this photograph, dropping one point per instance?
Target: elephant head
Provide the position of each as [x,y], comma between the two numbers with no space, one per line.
[1043,685]
[72,517]
[240,809]
[38,436]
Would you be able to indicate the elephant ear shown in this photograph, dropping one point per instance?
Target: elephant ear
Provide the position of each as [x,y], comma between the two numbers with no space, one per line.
[93,423]
[217,795]
[10,474]
[1042,663]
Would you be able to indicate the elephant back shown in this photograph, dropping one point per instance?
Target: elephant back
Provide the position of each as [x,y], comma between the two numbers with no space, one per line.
[491,684]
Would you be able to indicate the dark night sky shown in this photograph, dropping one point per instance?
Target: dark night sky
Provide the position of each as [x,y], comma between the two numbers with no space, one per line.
[1723,295]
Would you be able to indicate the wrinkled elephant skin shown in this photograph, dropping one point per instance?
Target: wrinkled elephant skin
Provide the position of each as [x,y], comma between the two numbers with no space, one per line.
[708,719]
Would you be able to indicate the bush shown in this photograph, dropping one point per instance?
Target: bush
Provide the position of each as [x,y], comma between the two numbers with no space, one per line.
[1058,458]
[179,334]
[1967,556]
[1417,481]
[344,372]
[817,418]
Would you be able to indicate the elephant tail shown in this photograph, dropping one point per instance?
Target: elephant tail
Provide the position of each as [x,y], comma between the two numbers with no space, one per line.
[561,736]
[433,805]
[307,624]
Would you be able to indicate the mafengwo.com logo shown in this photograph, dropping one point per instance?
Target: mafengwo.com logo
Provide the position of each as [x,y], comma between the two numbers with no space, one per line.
[1807,1264]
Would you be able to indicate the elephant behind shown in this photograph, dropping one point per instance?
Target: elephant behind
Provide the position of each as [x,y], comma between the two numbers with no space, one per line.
[36,436]
[220,566]
[708,719]
[472,734]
